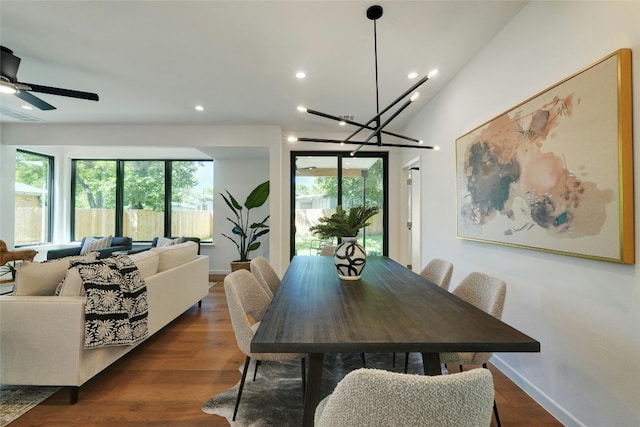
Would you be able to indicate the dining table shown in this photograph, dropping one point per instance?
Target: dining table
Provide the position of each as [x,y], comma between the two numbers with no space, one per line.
[389,309]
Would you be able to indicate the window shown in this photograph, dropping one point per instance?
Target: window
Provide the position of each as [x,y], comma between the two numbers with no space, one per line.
[33,201]
[323,180]
[143,199]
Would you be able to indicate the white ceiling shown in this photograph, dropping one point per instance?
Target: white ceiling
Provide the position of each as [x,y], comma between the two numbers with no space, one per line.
[153,61]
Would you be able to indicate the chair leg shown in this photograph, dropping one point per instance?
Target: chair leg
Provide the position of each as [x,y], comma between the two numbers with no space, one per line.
[255,372]
[304,378]
[244,376]
[406,362]
[364,361]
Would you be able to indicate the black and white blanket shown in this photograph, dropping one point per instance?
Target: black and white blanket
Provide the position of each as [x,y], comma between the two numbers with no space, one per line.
[116,308]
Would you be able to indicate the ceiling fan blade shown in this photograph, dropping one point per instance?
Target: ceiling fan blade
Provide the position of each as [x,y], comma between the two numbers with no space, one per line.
[62,92]
[34,100]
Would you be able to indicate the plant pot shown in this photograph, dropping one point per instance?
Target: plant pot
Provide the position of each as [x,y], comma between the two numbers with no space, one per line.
[240,265]
[350,259]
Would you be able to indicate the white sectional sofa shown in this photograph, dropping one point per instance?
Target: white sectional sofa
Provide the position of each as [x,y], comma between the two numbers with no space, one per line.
[42,335]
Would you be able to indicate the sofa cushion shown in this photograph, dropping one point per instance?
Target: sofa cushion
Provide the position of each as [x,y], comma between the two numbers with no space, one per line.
[167,241]
[71,285]
[93,244]
[147,262]
[174,255]
[42,278]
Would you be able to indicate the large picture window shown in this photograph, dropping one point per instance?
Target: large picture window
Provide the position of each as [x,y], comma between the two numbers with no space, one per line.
[142,199]
[33,200]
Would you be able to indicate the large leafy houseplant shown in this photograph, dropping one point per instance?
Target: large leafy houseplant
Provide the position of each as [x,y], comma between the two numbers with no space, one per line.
[245,232]
[344,223]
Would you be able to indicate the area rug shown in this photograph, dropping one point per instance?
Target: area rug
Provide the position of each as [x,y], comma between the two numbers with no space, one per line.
[275,397]
[15,400]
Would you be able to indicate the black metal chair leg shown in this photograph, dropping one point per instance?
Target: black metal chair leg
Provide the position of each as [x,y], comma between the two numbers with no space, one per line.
[364,361]
[244,376]
[304,378]
[255,372]
[393,361]
[406,363]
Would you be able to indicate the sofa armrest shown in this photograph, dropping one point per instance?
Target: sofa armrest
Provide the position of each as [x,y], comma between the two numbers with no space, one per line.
[64,252]
[41,339]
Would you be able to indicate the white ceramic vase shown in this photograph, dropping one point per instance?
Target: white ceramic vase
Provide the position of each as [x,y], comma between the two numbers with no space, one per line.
[349,258]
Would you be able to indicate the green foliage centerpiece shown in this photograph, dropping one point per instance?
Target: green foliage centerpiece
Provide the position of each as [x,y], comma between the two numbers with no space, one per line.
[245,232]
[349,257]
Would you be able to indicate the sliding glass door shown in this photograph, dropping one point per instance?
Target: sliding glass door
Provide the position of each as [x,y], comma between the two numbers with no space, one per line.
[323,180]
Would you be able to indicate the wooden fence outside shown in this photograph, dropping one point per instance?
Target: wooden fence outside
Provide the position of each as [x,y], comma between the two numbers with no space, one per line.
[140,225]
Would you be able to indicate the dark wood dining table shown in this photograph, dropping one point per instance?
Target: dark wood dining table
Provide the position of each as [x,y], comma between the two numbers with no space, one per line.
[390,309]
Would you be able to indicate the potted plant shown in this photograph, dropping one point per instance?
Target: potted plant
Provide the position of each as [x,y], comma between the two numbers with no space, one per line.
[344,223]
[349,257]
[8,268]
[246,233]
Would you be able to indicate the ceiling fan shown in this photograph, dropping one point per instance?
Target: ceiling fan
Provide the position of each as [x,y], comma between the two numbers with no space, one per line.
[9,84]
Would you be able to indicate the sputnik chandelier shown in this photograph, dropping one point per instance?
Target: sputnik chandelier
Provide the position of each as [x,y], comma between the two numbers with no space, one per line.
[375,125]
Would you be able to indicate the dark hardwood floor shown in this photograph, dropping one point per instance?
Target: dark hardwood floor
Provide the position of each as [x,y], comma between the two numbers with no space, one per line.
[166,380]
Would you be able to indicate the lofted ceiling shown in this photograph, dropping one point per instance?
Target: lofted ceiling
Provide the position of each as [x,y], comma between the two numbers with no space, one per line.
[151,62]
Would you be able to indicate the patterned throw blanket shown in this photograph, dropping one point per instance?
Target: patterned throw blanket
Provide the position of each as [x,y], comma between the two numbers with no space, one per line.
[116,308]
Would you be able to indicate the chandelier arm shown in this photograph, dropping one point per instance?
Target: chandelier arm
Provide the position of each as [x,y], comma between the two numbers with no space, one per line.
[398,99]
[373,144]
[360,125]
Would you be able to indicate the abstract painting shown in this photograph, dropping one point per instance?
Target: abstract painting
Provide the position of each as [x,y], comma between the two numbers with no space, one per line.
[555,173]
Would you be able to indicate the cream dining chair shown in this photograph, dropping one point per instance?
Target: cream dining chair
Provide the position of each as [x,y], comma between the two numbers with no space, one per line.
[437,271]
[245,297]
[266,275]
[488,294]
[376,398]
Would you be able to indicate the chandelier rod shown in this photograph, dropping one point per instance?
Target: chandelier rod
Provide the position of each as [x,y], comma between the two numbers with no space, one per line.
[384,144]
[362,126]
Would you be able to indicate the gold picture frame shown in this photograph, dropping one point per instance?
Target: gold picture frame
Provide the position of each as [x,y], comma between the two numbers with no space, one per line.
[555,173]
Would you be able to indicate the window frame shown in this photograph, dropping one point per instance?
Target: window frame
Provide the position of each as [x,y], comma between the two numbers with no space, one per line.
[50,196]
[119,196]
[341,156]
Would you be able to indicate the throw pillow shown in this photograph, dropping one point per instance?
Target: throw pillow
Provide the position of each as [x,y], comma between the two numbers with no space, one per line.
[167,241]
[92,244]
[42,278]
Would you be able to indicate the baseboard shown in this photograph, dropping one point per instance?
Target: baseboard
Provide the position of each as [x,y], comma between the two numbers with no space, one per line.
[216,276]
[536,394]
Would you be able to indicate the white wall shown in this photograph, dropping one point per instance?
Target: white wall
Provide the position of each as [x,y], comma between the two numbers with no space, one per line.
[586,314]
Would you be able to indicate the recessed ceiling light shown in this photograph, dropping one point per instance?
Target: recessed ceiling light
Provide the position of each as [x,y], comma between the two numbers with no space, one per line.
[342,123]
[412,75]
[301,74]
[432,73]
[27,107]
[292,138]
[199,108]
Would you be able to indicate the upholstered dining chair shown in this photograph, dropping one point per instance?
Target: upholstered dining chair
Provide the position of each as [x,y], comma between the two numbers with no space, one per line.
[245,297]
[487,293]
[327,250]
[266,275]
[375,398]
[438,271]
